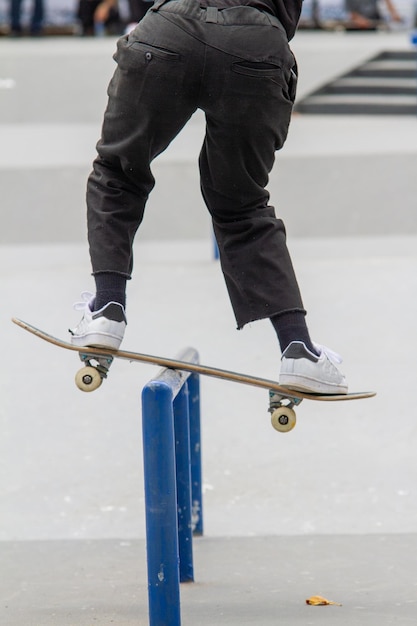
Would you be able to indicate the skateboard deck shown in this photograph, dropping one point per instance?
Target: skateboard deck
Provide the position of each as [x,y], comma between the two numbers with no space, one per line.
[97,362]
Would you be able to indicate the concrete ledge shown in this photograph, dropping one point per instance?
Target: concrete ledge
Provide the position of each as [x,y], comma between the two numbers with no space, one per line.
[48,204]
[336,195]
[348,176]
[348,195]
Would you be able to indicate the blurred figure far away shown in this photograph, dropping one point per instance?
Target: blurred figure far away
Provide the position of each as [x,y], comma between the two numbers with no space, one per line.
[36,20]
[366,14]
[99,17]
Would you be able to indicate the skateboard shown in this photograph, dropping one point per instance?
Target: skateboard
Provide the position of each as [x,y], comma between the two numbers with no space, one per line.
[97,362]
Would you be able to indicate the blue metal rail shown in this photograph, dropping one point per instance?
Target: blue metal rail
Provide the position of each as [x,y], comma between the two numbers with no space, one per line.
[173,493]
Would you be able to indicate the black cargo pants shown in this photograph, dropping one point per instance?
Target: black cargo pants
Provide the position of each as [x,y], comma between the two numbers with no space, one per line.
[234,64]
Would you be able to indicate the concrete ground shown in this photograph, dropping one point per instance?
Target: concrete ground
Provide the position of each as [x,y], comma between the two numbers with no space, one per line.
[330,508]
[257,580]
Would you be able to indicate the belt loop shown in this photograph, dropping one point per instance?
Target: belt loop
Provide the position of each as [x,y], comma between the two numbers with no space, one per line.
[212,15]
[157,5]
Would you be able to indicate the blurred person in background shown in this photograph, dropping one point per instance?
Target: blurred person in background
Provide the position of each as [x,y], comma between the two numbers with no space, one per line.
[137,9]
[367,15]
[98,16]
[36,20]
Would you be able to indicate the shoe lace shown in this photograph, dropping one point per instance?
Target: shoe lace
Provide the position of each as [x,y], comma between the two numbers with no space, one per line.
[333,356]
[86,300]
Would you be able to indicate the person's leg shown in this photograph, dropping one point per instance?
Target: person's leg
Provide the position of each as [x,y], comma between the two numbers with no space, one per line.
[248,112]
[15,17]
[248,104]
[151,96]
[85,14]
[37,17]
[363,14]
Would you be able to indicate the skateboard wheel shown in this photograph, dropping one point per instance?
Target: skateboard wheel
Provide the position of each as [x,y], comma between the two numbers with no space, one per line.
[88,379]
[283,419]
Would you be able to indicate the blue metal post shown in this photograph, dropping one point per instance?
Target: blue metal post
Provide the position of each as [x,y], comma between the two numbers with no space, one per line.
[216,253]
[195,448]
[414,32]
[161,505]
[183,473]
[172,468]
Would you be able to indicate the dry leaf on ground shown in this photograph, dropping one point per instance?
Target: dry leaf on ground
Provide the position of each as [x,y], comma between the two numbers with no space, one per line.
[320,601]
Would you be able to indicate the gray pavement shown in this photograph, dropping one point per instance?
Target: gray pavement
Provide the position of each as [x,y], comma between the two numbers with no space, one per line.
[257,580]
[330,508]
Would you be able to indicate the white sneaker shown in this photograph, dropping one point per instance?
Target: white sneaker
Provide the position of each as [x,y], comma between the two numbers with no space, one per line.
[304,371]
[102,329]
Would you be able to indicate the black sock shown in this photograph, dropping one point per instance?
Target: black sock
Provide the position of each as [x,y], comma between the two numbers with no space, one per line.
[291,326]
[110,287]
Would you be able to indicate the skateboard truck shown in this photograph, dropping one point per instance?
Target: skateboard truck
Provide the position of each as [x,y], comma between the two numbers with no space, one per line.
[96,367]
[283,416]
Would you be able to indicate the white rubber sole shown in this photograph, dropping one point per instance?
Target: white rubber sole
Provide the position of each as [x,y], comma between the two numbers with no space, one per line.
[96,340]
[308,385]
